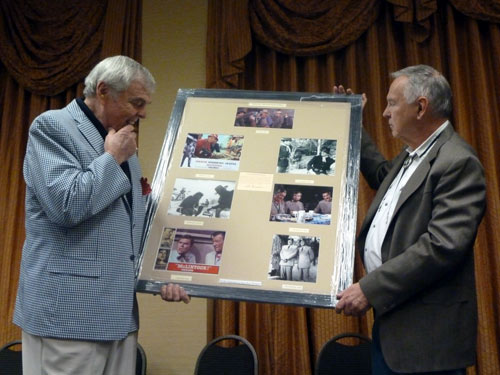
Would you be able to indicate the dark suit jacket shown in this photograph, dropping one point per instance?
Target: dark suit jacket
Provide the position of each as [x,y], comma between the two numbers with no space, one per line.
[424,292]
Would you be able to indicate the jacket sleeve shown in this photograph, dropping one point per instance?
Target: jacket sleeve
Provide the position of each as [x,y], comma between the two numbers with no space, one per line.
[373,165]
[70,181]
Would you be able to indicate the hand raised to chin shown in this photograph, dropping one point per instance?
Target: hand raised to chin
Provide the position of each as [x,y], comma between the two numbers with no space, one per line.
[121,144]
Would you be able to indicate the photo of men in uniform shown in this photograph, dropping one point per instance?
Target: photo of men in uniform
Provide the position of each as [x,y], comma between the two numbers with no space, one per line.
[301,204]
[324,205]
[294,258]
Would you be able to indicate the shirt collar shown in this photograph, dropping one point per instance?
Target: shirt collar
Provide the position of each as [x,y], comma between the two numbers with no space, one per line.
[90,115]
[426,145]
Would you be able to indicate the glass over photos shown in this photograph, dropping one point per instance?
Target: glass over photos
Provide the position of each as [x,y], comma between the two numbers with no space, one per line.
[254,197]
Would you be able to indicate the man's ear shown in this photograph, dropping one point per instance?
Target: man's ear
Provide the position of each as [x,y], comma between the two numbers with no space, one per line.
[102,89]
[422,105]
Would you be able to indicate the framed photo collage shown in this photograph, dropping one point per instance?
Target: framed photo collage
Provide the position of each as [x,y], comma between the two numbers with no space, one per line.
[254,197]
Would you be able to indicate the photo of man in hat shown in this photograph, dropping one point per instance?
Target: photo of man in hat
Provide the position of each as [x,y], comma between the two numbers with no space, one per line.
[206,147]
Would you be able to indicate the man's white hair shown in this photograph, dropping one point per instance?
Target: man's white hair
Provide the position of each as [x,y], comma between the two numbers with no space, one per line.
[118,72]
[426,81]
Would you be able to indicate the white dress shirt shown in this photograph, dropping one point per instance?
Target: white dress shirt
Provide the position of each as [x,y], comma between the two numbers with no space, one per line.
[385,211]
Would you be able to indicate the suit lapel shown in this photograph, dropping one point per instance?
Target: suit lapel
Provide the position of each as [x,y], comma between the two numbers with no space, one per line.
[137,214]
[135,177]
[419,176]
[86,128]
[92,135]
[96,142]
[384,186]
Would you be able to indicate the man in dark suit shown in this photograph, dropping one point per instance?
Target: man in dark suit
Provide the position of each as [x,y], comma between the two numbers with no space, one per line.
[417,238]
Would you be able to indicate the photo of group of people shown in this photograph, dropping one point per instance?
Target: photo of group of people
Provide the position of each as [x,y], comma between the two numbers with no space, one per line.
[301,204]
[274,118]
[198,251]
[294,258]
[204,198]
[212,151]
[307,156]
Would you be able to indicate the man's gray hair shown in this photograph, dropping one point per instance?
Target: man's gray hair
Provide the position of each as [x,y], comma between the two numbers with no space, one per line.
[424,80]
[118,72]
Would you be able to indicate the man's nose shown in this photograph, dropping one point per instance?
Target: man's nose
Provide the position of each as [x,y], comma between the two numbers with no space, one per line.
[141,113]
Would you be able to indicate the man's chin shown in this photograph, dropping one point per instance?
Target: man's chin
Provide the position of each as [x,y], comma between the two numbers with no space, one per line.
[130,122]
[117,128]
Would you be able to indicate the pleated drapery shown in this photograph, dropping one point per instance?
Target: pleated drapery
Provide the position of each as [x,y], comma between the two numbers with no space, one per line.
[300,45]
[46,49]
[461,38]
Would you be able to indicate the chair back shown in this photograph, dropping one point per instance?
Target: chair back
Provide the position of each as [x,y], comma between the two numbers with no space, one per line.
[240,359]
[336,358]
[11,361]
[141,362]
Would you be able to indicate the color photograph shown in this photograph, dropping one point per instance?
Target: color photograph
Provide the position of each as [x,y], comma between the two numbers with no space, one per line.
[274,118]
[185,250]
[301,204]
[212,151]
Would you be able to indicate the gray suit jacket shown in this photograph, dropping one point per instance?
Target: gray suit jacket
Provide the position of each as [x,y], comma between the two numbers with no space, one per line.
[424,292]
[82,236]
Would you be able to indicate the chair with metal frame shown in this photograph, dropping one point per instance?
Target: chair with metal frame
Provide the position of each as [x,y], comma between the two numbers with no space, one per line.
[141,361]
[336,358]
[11,362]
[240,359]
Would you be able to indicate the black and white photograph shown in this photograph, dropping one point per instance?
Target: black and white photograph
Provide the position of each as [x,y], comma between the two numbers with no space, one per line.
[212,151]
[307,156]
[274,118]
[294,258]
[301,204]
[201,198]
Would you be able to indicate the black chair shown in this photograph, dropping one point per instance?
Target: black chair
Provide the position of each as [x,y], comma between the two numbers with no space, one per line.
[240,359]
[336,358]
[11,361]
[141,362]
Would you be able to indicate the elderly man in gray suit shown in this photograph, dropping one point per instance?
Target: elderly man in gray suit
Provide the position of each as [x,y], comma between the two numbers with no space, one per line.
[417,238]
[85,213]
